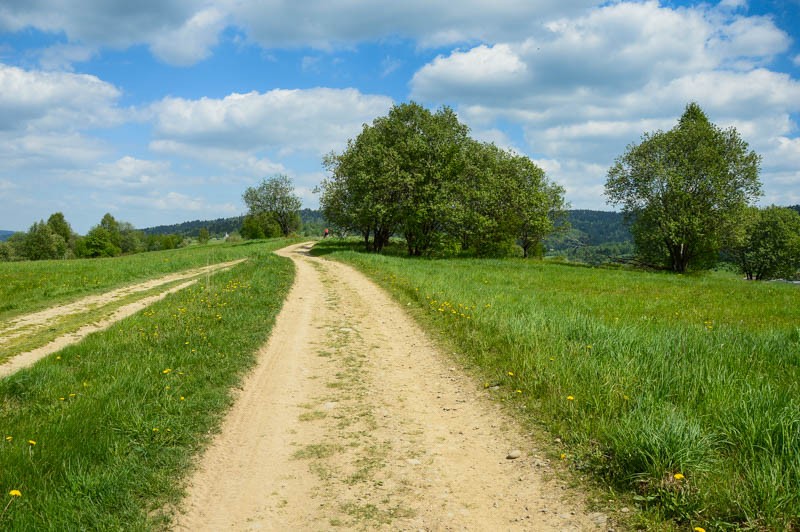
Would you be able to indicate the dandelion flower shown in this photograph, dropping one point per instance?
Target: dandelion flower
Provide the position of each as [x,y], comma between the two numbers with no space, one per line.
[563,456]
[510,373]
[32,442]
[678,476]
[15,493]
[570,398]
[182,398]
[166,371]
[699,529]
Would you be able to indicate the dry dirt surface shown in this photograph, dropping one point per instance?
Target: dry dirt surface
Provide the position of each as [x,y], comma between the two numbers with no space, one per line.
[37,321]
[354,420]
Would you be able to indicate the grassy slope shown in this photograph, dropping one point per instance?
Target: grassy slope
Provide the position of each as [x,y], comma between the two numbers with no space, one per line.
[117,418]
[642,375]
[33,285]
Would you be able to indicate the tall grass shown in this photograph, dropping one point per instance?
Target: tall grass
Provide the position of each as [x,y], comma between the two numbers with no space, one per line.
[100,435]
[32,285]
[684,390]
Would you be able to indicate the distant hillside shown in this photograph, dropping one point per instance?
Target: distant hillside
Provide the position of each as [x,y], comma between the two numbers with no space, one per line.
[594,237]
[5,234]
[600,227]
[313,221]
[216,228]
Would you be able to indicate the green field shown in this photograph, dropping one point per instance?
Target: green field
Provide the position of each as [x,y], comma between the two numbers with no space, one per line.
[642,376]
[101,435]
[32,285]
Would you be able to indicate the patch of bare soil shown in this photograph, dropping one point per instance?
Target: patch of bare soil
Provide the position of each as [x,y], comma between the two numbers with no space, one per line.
[33,323]
[353,419]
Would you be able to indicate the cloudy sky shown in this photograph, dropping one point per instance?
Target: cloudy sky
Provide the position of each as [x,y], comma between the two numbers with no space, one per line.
[163,111]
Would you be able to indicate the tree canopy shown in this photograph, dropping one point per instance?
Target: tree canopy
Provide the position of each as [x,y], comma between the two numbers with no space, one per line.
[418,174]
[684,190]
[768,246]
[275,198]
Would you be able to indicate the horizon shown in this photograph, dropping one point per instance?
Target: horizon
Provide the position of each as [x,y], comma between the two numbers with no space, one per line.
[169,112]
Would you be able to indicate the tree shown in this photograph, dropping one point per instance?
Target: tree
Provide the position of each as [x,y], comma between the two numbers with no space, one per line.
[363,193]
[419,174]
[58,223]
[42,243]
[770,244]
[683,190]
[99,242]
[538,205]
[203,236]
[275,196]
[259,226]
[395,177]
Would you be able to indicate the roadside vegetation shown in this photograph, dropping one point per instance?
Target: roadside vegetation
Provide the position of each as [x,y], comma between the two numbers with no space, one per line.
[681,391]
[100,435]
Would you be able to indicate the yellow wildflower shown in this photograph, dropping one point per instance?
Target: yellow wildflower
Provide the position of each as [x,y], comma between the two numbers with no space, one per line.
[699,529]
[32,442]
[570,398]
[15,493]
[678,476]
[510,373]
[166,371]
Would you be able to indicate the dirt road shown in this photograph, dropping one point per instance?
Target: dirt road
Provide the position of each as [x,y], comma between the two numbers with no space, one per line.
[353,419]
[31,324]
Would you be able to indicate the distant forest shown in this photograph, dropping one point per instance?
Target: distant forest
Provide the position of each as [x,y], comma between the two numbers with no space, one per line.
[313,224]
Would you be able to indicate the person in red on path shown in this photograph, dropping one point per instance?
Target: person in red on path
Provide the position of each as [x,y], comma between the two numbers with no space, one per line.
[325,234]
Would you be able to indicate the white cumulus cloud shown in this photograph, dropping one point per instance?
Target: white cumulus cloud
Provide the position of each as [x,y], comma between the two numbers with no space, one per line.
[278,121]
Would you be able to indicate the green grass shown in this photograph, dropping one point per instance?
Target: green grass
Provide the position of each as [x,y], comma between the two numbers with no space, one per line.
[697,375]
[118,418]
[33,285]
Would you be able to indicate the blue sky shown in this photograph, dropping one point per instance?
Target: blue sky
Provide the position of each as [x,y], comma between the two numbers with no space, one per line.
[163,111]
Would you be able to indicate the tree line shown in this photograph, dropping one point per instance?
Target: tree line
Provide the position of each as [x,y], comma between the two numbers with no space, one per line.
[55,239]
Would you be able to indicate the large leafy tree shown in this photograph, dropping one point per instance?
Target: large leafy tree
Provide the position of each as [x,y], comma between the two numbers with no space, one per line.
[683,190]
[275,197]
[395,176]
[418,173]
[769,244]
[42,242]
[364,192]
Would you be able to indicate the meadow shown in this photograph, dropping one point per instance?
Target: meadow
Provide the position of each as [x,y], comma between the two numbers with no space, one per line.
[101,435]
[681,391]
[32,285]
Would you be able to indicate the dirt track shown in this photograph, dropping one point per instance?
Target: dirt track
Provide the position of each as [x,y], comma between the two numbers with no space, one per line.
[32,323]
[352,419]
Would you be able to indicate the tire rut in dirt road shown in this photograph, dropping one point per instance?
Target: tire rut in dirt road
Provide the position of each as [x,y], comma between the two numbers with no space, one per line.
[352,419]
